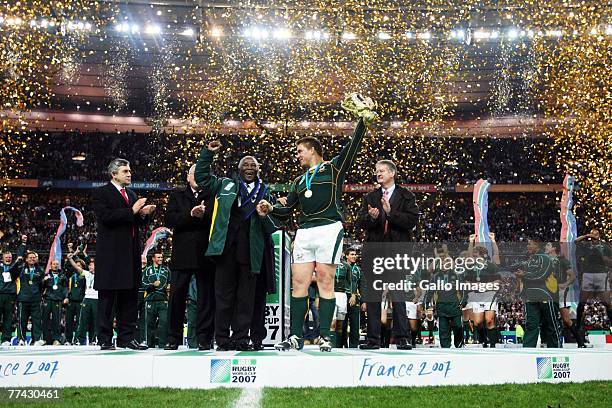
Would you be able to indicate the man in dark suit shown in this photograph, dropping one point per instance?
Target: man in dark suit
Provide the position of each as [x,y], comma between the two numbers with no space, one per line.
[187,214]
[239,242]
[388,214]
[119,213]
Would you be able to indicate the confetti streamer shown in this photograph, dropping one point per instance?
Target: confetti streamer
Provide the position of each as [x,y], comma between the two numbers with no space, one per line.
[55,253]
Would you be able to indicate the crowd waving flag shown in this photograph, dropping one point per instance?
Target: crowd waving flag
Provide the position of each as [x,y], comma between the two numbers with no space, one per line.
[568,225]
[55,254]
[156,235]
[480,198]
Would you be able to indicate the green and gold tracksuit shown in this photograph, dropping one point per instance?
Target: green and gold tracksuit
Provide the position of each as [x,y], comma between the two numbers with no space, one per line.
[76,293]
[340,284]
[352,314]
[55,291]
[541,311]
[88,316]
[192,313]
[8,295]
[447,303]
[29,295]
[341,278]
[156,304]
[324,207]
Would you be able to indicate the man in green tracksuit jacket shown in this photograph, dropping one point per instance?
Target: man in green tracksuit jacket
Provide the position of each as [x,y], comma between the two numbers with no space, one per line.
[29,289]
[74,298]
[354,299]
[448,301]
[539,287]
[55,286]
[239,242]
[340,285]
[155,280]
[8,292]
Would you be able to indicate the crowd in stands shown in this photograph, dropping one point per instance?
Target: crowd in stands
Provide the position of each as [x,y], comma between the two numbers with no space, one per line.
[157,157]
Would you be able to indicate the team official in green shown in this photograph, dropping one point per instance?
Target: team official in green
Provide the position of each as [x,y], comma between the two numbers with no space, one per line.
[88,313]
[537,274]
[55,286]
[318,241]
[353,283]
[340,285]
[155,279]
[8,292]
[74,298]
[29,298]
[448,301]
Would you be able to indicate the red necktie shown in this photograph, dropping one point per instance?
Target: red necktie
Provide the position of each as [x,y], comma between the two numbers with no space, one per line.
[125,197]
[386,195]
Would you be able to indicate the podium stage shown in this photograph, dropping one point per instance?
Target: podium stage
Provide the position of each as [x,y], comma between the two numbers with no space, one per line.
[64,366]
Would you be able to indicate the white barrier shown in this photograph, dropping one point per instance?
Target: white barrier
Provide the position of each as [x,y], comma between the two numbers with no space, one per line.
[84,366]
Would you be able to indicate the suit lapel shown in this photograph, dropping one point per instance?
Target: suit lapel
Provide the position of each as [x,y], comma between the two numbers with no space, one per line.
[395,196]
[190,196]
[378,197]
[115,193]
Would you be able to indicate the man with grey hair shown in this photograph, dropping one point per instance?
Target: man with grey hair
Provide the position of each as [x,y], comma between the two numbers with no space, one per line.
[189,214]
[119,214]
[388,214]
[241,245]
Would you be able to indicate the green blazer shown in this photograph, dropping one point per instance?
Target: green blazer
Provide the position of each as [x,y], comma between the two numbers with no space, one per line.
[225,191]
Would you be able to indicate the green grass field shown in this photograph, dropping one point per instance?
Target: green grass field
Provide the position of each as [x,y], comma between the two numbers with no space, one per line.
[591,394]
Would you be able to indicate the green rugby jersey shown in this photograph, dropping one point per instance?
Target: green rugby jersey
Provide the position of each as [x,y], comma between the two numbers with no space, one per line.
[325,205]
[151,274]
[342,276]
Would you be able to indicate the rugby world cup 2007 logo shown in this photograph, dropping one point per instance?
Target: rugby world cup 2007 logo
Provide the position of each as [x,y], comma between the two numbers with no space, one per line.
[234,370]
[550,368]
[220,370]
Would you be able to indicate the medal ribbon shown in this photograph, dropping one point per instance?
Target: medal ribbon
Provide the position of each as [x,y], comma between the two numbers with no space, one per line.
[308,180]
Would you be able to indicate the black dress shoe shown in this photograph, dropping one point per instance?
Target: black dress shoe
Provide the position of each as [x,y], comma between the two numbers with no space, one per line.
[204,346]
[369,345]
[243,346]
[107,346]
[132,345]
[171,346]
[257,346]
[403,344]
[226,347]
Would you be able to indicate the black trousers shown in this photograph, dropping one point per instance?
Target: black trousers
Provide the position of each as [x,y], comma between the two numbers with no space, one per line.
[400,322]
[234,294]
[126,308]
[179,288]
[258,322]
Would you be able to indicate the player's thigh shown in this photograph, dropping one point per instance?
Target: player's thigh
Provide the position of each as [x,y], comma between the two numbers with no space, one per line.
[489,316]
[477,315]
[301,276]
[326,274]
